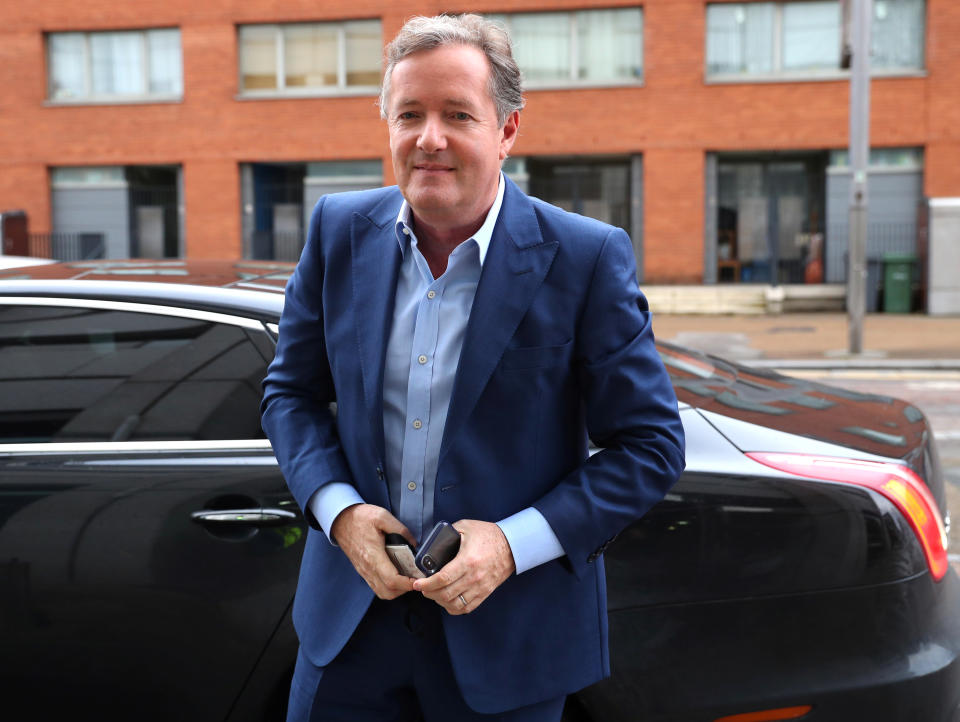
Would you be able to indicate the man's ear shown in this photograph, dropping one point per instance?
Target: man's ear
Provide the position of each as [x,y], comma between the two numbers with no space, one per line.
[511,129]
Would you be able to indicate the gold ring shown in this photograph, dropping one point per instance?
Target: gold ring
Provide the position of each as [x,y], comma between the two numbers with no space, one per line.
[460,597]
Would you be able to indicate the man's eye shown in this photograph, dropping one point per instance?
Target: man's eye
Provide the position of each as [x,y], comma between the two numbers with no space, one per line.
[408,115]
[461,116]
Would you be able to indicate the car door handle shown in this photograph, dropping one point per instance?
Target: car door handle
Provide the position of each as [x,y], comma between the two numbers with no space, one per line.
[244,517]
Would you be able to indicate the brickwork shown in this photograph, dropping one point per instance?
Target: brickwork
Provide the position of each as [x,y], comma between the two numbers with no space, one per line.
[943,91]
[673,214]
[673,119]
[212,203]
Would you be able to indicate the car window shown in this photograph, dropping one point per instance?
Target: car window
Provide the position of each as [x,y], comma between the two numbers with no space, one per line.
[88,374]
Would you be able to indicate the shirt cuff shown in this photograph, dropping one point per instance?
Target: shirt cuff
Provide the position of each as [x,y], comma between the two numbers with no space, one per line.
[329,500]
[531,539]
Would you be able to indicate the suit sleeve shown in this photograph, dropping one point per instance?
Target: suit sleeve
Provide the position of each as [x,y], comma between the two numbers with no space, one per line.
[298,388]
[630,410]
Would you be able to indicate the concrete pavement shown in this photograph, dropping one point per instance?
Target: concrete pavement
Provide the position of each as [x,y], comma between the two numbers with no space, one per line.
[811,340]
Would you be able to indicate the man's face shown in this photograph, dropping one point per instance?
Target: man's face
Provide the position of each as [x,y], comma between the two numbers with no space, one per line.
[444,137]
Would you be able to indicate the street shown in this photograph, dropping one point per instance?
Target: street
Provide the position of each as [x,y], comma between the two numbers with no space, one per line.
[937,394]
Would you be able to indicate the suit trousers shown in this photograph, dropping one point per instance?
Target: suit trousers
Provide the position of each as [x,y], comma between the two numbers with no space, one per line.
[395,668]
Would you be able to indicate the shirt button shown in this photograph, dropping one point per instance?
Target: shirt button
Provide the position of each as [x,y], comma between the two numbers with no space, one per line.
[431,294]
[406,231]
[417,423]
[422,359]
[412,485]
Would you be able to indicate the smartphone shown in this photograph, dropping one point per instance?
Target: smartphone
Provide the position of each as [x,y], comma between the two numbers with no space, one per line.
[440,546]
[401,554]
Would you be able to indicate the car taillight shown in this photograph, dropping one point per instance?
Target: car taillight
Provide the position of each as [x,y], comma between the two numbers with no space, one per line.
[769,715]
[894,481]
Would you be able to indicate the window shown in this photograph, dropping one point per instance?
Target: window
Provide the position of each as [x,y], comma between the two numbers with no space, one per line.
[278,198]
[599,188]
[114,212]
[111,66]
[802,39]
[570,48]
[347,172]
[808,31]
[307,58]
[897,34]
[770,217]
[90,374]
[89,176]
[882,158]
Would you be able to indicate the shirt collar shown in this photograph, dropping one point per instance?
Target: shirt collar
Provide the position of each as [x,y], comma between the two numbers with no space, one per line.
[482,237]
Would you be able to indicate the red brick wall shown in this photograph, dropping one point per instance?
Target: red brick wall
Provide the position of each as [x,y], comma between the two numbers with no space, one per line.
[673,215]
[673,120]
[942,124]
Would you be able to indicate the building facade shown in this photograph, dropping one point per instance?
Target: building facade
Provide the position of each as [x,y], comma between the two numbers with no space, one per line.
[715,133]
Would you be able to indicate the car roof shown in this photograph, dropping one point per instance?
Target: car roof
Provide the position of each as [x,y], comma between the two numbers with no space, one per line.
[268,275]
[249,287]
[8,261]
[255,289]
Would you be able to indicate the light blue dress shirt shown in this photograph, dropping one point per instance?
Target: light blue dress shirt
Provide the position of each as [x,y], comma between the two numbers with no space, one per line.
[429,321]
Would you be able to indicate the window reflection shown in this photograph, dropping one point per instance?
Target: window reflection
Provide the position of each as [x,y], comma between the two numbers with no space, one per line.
[793,405]
[74,374]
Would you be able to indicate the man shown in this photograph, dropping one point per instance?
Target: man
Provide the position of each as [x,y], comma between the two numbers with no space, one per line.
[471,337]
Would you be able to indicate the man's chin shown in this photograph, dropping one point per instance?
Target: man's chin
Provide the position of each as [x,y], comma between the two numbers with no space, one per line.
[429,199]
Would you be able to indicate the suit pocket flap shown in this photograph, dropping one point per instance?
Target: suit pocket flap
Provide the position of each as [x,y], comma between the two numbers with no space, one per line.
[533,357]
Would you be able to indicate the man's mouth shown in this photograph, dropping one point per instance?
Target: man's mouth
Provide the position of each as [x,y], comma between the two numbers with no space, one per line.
[432,167]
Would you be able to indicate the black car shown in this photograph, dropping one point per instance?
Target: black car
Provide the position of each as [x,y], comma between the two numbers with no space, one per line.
[149,547]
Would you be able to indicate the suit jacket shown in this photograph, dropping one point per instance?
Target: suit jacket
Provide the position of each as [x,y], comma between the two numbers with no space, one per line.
[558,344]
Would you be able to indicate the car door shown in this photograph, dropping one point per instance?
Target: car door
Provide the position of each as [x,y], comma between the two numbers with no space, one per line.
[148,544]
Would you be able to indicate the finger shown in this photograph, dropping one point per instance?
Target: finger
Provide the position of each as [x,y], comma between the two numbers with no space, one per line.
[455,607]
[395,589]
[388,575]
[471,589]
[390,585]
[374,565]
[461,604]
[457,599]
[409,537]
[398,528]
[450,574]
[464,605]
[442,596]
[464,600]
[389,524]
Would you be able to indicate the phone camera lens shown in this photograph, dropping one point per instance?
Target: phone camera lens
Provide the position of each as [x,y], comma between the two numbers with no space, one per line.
[428,562]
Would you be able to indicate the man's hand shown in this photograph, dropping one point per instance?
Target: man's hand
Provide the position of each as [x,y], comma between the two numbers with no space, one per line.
[359,530]
[483,563]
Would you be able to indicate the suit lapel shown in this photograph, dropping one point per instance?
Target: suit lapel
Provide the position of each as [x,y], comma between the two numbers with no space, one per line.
[376,262]
[516,263]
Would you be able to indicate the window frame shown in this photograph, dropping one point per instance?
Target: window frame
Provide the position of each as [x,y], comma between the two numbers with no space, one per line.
[281,90]
[91,98]
[572,81]
[778,75]
[251,325]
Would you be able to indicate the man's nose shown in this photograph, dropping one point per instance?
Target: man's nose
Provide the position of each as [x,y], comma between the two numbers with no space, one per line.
[432,137]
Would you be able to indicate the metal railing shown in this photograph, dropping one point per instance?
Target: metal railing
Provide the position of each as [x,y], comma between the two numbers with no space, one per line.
[67,246]
[276,245]
[882,238]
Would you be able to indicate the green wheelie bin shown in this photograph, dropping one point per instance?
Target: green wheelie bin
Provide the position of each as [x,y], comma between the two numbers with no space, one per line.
[898,282]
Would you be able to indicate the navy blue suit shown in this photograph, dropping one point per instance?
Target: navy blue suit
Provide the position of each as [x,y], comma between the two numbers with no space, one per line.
[558,344]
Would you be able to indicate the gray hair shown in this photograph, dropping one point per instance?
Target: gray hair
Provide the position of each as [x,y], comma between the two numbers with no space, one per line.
[423,33]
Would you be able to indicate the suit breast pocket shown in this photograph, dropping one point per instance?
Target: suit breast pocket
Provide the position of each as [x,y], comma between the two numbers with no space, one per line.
[536,357]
